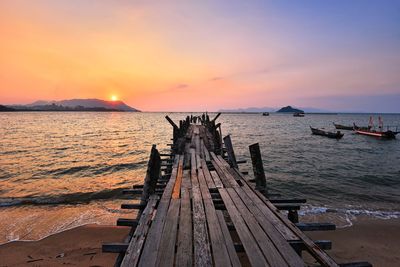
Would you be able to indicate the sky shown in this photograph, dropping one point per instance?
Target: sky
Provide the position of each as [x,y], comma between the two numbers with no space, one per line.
[341,55]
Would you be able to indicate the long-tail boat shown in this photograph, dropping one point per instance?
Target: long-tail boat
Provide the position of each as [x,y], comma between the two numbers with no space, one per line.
[298,114]
[370,131]
[321,132]
[343,127]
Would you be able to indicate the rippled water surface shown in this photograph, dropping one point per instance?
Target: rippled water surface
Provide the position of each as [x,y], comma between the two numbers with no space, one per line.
[59,170]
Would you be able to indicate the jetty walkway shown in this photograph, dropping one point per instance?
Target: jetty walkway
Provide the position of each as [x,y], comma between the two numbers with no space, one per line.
[198,209]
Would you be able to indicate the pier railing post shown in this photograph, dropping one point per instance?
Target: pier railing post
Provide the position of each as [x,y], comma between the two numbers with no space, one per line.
[152,175]
[229,150]
[258,169]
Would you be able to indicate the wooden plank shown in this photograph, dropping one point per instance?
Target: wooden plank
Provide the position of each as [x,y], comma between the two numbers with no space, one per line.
[220,172]
[312,248]
[166,252]
[184,254]
[219,250]
[228,240]
[290,256]
[177,187]
[269,215]
[268,248]
[223,170]
[202,253]
[217,180]
[134,250]
[253,252]
[149,255]
[207,175]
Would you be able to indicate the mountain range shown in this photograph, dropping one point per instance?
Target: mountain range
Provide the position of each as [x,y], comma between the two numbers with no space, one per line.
[75,105]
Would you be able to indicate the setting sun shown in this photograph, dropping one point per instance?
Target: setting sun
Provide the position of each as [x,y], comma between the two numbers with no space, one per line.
[114,98]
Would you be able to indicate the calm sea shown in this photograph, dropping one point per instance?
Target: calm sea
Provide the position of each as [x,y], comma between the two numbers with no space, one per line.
[61,170]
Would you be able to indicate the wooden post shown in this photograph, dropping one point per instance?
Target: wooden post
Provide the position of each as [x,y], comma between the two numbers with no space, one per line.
[258,168]
[152,175]
[216,117]
[231,153]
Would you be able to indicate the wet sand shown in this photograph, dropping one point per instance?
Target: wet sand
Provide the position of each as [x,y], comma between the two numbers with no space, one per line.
[373,240]
[80,246]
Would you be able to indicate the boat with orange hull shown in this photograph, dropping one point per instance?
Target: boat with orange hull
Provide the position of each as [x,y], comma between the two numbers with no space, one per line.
[370,131]
[386,134]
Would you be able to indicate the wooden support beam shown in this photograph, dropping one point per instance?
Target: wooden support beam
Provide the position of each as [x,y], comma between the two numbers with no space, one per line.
[114,247]
[356,264]
[216,117]
[132,191]
[293,200]
[127,222]
[231,152]
[298,245]
[133,206]
[287,206]
[258,168]
[171,122]
[316,226]
[166,155]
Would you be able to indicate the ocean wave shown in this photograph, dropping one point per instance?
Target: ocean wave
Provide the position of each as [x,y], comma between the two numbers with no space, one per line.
[87,170]
[381,214]
[73,198]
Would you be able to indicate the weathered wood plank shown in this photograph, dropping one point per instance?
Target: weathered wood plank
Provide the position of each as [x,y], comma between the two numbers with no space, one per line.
[149,255]
[228,240]
[134,250]
[314,250]
[219,250]
[289,255]
[207,175]
[177,187]
[184,254]
[268,248]
[270,216]
[166,253]
[217,181]
[253,251]
[202,253]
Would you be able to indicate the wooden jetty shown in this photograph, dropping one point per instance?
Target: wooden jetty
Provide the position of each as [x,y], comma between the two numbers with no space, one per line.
[198,209]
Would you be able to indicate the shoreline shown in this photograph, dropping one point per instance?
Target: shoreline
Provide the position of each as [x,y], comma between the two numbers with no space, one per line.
[368,239]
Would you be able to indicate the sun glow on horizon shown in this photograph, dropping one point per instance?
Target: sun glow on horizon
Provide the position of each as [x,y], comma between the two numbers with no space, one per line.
[114,98]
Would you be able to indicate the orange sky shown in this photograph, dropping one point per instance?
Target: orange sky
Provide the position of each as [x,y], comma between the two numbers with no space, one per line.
[183,56]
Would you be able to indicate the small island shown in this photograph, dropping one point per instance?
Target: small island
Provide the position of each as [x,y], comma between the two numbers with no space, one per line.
[290,109]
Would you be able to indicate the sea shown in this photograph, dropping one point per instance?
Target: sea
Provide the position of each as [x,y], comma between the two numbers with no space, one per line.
[60,170]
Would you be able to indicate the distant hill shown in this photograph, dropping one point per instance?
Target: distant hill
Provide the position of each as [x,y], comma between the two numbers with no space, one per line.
[289,109]
[75,105]
[4,108]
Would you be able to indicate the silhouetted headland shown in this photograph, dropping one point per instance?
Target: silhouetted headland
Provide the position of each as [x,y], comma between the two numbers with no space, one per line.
[72,105]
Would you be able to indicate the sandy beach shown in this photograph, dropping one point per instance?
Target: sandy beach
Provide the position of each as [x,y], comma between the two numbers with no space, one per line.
[80,246]
[373,240]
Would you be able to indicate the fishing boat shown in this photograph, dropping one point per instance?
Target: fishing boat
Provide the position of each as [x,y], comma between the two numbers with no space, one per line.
[321,132]
[380,133]
[265,114]
[298,114]
[343,127]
